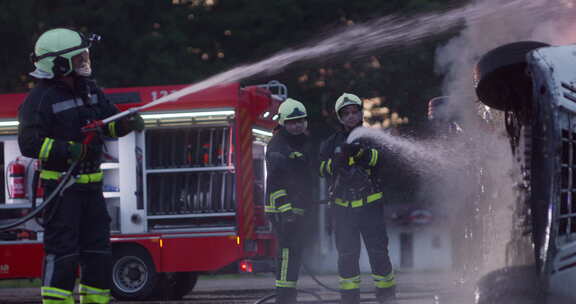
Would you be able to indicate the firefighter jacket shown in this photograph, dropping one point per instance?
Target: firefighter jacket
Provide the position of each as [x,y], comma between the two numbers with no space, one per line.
[354,179]
[290,176]
[51,119]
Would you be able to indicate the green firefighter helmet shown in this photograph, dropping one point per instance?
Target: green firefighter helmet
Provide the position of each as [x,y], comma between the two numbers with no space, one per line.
[291,109]
[346,99]
[54,50]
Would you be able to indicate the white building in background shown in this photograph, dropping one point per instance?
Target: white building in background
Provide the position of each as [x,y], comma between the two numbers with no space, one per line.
[417,242]
[420,247]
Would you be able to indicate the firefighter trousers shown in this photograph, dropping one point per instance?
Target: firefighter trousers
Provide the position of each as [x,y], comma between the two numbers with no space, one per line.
[291,239]
[366,221]
[77,233]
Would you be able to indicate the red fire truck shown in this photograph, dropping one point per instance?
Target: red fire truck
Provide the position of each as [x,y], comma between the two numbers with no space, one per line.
[186,195]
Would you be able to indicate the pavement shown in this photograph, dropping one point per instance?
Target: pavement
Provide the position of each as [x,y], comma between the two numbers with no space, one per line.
[412,288]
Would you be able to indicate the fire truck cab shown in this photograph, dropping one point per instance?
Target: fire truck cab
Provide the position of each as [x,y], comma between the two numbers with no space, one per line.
[185,196]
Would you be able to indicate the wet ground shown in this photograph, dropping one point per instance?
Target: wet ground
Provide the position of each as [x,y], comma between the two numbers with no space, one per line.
[413,288]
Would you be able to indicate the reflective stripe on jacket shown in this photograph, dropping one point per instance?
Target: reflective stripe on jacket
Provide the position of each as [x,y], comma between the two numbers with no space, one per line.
[290,178]
[53,115]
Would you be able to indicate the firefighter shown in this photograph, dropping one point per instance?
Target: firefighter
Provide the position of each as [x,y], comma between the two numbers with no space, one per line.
[289,193]
[353,174]
[76,223]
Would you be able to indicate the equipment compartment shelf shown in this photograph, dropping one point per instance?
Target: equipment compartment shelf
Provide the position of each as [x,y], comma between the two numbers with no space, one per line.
[108,166]
[196,169]
[111,194]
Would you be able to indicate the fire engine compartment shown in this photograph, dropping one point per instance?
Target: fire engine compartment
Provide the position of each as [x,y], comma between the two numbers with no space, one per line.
[186,195]
[181,169]
[189,171]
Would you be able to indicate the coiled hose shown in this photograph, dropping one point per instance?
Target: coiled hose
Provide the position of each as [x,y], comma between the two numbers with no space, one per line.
[66,178]
[311,274]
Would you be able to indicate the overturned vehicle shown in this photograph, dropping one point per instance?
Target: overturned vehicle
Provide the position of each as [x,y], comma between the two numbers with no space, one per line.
[534,84]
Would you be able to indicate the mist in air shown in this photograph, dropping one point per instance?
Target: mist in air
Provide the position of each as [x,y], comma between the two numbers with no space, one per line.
[387,32]
[458,168]
[470,175]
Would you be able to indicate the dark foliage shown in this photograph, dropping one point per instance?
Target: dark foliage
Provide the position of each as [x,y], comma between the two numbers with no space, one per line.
[158,42]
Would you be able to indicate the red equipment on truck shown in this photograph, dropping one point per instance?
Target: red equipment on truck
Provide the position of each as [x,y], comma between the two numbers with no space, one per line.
[186,195]
[16,172]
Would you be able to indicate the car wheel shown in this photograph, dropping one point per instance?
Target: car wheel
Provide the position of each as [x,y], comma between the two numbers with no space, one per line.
[500,76]
[510,285]
[134,276]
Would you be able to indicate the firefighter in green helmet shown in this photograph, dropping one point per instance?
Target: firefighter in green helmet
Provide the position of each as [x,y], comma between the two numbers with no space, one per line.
[353,172]
[289,194]
[76,223]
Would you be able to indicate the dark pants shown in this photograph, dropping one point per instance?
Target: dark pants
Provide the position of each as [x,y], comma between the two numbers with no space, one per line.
[351,223]
[77,232]
[291,238]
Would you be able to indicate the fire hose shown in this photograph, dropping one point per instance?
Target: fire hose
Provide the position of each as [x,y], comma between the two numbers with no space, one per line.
[314,278]
[90,130]
[66,178]
[312,275]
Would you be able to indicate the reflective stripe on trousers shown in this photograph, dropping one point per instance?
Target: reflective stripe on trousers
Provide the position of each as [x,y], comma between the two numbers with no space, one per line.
[53,295]
[93,295]
[367,223]
[350,283]
[384,281]
[282,280]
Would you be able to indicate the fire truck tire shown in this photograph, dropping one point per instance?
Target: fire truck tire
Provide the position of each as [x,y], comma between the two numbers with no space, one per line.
[176,285]
[500,75]
[517,284]
[134,276]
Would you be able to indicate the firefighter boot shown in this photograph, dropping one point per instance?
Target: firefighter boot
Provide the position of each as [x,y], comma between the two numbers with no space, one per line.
[285,295]
[351,296]
[385,295]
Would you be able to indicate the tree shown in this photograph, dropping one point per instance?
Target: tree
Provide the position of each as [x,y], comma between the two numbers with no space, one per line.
[160,42]
[184,41]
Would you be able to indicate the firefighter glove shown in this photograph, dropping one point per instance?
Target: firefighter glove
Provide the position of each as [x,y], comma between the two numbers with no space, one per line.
[352,150]
[367,158]
[76,151]
[287,219]
[135,122]
[126,125]
[297,156]
[341,159]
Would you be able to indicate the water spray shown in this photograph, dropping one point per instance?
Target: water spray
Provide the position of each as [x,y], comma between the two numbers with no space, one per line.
[358,40]
[422,156]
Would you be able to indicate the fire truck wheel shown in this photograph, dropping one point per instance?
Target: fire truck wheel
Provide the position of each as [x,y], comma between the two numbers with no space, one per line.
[517,284]
[133,274]
[175,285]
[500,76]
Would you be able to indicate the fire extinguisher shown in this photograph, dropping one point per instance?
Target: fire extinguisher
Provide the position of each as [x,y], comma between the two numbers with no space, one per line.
[206,154]
[219,155]
[16,178]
